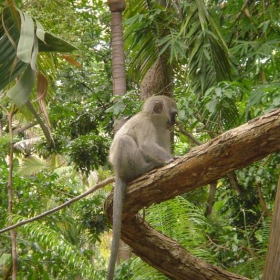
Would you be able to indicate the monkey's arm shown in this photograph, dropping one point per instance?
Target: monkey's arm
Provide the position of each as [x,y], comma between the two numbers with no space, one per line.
[153,151]
[156,153]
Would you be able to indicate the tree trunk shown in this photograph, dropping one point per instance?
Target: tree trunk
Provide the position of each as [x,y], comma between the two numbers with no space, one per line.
[118,58]
[158,79]
[272,261]
[119,77]
[236,148]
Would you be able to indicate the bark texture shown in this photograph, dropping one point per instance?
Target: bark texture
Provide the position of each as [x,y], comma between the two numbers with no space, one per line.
[232,150]
[118,73]
[272,262]
[167,255]
[157,80]
[118,58]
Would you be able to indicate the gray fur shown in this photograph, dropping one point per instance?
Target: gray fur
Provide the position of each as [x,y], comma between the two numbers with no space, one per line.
[140,145]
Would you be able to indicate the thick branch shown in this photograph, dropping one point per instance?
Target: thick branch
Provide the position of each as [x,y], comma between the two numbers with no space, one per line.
[167,255]
[232,150]
[204,164]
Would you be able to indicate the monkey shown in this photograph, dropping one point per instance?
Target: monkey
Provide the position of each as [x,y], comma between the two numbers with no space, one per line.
[140,145]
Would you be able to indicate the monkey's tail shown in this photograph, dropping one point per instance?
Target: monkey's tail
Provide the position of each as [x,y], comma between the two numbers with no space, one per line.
[119,192]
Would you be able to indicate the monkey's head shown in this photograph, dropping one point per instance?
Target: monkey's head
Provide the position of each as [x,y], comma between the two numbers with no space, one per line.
[162,108]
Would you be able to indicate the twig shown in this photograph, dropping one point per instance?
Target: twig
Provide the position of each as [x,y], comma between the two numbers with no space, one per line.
[10,195]
[22,129]
[211,199]
[262,201]
[188,134]
[247,2]
[89,191]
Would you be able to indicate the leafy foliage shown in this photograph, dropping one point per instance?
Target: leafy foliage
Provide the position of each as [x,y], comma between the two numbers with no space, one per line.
[44,176]
[80,136]
[71,261]
[30,39]
[224,60]
[182,221]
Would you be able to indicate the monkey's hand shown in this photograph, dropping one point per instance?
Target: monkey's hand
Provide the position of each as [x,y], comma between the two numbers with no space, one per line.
[176,157]
[172,159]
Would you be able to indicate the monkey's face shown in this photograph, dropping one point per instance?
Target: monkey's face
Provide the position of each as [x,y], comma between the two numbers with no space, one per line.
[162,109]
[172,119]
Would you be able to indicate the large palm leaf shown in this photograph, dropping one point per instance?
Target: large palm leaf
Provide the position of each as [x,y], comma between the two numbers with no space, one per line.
[189,37]
[208,59]
[21,39]
[186,31]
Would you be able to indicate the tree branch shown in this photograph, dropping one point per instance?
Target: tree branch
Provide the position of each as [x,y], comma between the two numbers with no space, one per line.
[188,134]
[171,258]
[89,191]
[262,201]
[204,164]
[211,199]
[22,129]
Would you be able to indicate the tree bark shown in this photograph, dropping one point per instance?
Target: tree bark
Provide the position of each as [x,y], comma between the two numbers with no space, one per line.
[167,255]
[13,233]
[157,80]
[272,261]
[118,57]
[119,76]
[232,150]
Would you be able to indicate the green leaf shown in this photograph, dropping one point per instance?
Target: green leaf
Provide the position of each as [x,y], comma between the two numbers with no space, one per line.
[211,105]
[19,47]
[49,42]
[20,92]
[255,98]
[182,114]
[218,91]
[54,44]
[10,66]
[40,32]
[26,40]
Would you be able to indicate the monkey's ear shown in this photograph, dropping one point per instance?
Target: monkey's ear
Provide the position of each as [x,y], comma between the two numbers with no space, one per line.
[158,108]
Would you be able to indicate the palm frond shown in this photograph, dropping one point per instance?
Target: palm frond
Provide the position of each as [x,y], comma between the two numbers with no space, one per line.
[142,270]
[32,165]
[208,58]
[21,38]
[182,221]
[48,238]
[140,39]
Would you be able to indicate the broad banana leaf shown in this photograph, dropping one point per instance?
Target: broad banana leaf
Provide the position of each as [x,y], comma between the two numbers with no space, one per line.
[21,38]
